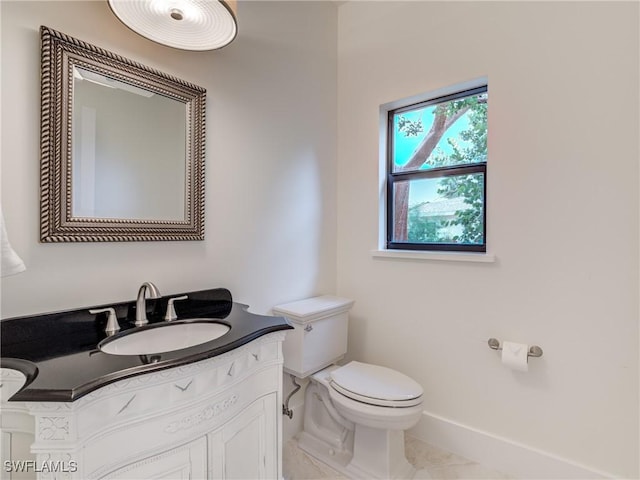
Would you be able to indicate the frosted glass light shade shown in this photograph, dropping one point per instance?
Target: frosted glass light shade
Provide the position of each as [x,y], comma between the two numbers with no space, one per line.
[184,24]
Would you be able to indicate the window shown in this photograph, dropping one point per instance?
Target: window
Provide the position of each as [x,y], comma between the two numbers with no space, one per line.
[436,173]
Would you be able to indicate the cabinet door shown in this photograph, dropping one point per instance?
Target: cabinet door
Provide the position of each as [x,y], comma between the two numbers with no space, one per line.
[181,463]
[246,446]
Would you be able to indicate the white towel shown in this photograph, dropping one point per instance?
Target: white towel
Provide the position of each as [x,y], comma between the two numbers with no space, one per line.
[11,262]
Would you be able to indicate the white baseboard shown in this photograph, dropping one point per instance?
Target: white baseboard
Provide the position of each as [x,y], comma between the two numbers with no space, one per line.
[512,458]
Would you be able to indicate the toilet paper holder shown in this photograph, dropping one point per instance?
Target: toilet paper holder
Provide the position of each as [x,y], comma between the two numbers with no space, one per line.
[534,350]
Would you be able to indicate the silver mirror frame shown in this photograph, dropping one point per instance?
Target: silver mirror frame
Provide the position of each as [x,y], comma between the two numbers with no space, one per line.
[59,54]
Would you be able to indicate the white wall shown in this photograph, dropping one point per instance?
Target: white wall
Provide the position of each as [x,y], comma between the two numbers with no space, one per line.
[562,219]
[270,162]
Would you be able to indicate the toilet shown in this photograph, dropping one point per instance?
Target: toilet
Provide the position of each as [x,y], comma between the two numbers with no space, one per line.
[354,415]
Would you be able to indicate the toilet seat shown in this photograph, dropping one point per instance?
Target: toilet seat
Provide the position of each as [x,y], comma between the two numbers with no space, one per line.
[376,385]
[375,416]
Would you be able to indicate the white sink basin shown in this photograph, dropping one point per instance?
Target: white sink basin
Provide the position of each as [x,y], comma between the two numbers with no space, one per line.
[165,337]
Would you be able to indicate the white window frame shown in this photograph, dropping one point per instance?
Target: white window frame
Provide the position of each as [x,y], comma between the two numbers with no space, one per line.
[382,251]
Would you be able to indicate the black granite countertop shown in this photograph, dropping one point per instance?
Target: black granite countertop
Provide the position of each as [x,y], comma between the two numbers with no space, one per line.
[58,352]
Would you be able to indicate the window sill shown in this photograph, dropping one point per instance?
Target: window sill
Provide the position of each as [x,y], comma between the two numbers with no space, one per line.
[446,256]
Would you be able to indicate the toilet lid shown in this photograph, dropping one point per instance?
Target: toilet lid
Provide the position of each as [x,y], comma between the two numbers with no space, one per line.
[376,385]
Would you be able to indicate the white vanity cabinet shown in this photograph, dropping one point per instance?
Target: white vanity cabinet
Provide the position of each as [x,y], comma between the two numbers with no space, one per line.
[218,418]
[184,462]
[16,426]
[242,446]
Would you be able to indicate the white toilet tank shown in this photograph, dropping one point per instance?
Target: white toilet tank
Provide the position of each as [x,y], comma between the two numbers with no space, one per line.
[319,337]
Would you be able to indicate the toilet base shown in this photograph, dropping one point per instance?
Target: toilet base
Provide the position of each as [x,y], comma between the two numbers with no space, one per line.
[379,453]
[323,451]
[363,463]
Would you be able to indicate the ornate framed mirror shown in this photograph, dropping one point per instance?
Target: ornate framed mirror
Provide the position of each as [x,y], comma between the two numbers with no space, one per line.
[122,148]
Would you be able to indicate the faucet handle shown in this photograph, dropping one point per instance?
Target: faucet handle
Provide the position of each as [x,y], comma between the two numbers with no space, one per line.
[112,322]
[171,311]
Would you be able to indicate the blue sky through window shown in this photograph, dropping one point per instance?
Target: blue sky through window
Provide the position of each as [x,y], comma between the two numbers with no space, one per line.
[404,147]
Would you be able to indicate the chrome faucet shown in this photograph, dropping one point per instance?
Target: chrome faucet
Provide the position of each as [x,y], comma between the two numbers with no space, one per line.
[141,306]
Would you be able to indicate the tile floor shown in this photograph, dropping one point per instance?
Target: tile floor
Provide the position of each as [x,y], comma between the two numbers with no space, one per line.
[297,465]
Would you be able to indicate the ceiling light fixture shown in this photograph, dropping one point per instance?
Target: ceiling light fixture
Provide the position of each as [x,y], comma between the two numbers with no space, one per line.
[184,24]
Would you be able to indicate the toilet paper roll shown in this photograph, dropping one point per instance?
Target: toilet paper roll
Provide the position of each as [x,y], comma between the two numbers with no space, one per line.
[515,356]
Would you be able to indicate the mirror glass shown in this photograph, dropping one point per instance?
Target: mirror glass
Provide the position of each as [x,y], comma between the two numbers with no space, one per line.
[122,148]
[128,156]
